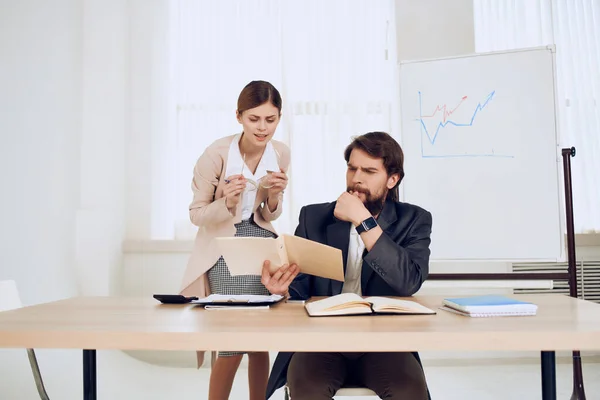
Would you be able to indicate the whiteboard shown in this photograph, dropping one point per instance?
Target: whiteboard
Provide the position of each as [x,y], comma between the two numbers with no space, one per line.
[480,139]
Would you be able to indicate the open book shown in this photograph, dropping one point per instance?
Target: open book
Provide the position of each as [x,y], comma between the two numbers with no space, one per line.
[353,304]
[245,255]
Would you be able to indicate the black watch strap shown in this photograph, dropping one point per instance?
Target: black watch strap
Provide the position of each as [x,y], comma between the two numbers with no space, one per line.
[366,225]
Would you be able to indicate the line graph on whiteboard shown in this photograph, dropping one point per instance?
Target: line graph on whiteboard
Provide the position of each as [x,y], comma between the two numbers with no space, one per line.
[459,129]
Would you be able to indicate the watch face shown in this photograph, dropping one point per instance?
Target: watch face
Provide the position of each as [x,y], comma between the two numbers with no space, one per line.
[370,223]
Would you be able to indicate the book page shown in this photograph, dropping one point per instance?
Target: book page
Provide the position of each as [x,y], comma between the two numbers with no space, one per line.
[342,311]
[346,303]
[245,255]
[386,304]
[315,258]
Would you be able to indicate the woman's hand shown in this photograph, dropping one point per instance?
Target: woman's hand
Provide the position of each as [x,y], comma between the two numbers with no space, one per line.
[275,182]
[234,186]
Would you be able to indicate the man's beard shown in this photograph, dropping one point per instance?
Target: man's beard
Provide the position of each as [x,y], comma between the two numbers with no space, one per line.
[372,203]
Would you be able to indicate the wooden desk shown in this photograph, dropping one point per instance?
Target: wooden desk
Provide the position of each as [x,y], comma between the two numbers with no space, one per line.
[562,323]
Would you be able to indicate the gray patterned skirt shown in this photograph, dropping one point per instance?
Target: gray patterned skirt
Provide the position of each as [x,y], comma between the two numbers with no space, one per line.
[221,281]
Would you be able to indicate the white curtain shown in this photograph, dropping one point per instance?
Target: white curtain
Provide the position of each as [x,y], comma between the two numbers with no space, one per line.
[333,62]
[573,26]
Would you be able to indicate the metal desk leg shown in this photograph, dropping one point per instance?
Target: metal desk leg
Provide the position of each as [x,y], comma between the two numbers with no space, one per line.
[548,375]
[578,390]
[89,375]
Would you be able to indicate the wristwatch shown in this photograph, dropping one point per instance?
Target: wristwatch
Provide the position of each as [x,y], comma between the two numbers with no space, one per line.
[366,225]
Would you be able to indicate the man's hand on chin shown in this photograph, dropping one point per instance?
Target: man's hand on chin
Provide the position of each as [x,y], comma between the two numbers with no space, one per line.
[349,207]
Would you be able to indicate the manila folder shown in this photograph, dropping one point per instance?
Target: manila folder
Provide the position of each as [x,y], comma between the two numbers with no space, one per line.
[315,258]
[245,255]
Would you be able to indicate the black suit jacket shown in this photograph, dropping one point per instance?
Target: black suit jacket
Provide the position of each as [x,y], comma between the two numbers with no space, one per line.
[397,265]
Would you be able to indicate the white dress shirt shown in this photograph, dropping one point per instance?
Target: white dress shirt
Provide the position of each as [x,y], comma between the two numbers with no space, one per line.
[235,165]
[356,247]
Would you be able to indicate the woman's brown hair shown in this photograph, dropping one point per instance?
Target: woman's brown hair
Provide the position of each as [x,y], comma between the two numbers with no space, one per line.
[257,93]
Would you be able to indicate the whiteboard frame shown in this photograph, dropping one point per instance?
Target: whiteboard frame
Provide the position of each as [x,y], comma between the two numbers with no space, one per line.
[562,256]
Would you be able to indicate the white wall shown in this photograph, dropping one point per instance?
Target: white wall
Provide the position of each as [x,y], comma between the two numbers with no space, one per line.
[149,73]
[40,125]
[104,136]
[64,115]
[434,28]
[64,122]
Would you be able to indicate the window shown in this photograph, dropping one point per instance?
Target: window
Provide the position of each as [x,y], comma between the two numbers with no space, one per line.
[334,63]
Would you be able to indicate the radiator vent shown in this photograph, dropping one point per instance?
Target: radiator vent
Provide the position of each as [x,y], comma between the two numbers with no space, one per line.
[588,278]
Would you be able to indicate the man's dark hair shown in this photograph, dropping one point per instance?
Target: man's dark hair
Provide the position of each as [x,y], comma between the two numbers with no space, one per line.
[381,145]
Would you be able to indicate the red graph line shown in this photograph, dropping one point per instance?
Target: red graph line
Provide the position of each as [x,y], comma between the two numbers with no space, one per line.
[444,108]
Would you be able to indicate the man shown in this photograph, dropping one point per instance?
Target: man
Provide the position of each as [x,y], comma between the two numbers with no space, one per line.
[385,247]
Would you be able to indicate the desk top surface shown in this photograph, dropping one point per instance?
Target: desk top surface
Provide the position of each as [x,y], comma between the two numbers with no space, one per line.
[128,323]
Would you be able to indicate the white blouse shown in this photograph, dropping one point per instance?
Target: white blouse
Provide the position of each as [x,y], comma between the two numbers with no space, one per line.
[235,166]
[356,247]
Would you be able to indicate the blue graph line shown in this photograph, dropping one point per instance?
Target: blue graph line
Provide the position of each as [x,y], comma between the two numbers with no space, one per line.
[466,155]
[441,125]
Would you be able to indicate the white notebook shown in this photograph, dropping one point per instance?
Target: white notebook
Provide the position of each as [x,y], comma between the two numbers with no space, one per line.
[489,306]
[489,314]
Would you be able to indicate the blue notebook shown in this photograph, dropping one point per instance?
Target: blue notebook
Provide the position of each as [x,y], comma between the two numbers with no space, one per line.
[490,305]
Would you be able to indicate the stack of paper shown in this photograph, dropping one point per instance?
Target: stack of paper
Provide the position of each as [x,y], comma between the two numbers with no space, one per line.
[230,301]
[489,306]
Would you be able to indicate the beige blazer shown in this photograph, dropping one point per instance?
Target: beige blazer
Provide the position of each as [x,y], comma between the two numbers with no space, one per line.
[209,213]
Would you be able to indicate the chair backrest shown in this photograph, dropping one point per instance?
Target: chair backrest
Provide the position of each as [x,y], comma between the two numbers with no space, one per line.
[355,392]
[9,296]
[349,391]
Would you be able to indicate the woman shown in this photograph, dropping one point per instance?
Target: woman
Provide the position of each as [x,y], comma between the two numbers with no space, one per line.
[238,189]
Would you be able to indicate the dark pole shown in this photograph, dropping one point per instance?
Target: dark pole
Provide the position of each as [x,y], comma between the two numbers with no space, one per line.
[578,390]
[89,375]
